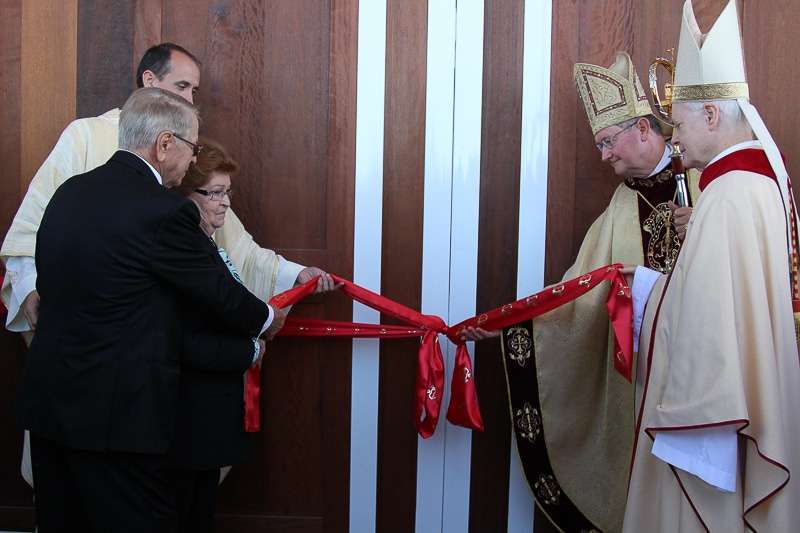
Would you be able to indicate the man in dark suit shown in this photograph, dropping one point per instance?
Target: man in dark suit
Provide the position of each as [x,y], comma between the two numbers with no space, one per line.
[116,255]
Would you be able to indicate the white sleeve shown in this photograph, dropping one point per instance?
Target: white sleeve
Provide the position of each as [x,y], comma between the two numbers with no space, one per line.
[643,281]
[270,318]
[21,274]
[709,453]
[287,274]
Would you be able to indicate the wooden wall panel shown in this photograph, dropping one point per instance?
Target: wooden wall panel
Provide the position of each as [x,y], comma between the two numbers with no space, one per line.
[337,361]
[10,111]
[772,73]
[49,59]
[105,57]
[276,94]
[497,252]
[146,30]
[37,89]
[16,498]
[401,260]
[565,120]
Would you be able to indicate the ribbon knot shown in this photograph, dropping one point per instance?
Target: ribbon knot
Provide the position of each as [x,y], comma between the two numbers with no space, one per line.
[463,409]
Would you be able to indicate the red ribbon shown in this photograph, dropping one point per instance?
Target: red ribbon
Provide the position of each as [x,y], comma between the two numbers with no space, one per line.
[463,409]
[618,304]
[252,380]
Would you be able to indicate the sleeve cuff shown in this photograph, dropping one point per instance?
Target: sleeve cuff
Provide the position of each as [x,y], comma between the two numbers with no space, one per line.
[270,318]
[287,274]
[22,273]
[20,281]
[643,281]
[708,453]
[255,351]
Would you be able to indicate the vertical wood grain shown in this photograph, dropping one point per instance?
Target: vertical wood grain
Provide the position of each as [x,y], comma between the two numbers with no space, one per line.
[48,79]
[497,252]
[105,56]
[401,260]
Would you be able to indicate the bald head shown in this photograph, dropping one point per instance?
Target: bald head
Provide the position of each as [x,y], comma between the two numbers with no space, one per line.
[704,129]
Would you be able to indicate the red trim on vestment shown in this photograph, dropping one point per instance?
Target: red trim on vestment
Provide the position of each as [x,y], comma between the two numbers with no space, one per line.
[650,347]
[748,160]
[745,424]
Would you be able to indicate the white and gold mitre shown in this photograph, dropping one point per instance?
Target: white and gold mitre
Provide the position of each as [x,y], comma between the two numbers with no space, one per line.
[710,66]
[611,95]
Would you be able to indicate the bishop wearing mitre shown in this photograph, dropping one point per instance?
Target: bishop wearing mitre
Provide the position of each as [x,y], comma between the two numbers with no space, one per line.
[718,432]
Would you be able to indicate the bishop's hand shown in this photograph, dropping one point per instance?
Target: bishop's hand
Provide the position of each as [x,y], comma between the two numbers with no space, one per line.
[680,218]
[477,334]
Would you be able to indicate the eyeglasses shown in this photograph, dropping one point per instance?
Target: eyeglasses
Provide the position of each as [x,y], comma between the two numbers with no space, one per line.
[215,195]
[196,148]
[608,143]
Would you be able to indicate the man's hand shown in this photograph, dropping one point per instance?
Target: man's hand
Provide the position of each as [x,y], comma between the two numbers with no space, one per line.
[277,323]
[30,308]
[262,346]
[680,217]
[477,334]
[628,271]
[325,283]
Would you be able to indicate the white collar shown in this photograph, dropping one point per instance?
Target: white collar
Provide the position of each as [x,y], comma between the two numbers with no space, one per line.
[158,176]
[735,148]
[664,161]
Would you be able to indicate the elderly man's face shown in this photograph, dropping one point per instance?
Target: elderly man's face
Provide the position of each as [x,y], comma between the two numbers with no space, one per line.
[692,131]
[182,79]
[623,148]
[179,155]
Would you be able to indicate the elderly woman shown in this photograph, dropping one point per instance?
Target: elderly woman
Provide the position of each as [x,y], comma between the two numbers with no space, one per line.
[210,428]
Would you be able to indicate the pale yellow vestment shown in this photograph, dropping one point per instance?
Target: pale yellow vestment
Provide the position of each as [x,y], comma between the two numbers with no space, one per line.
[724,352]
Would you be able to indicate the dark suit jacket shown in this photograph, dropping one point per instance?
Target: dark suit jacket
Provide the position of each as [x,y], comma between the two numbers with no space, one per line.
[210,421]
[115,254]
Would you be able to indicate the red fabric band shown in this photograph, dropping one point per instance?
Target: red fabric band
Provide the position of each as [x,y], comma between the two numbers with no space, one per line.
[463,409]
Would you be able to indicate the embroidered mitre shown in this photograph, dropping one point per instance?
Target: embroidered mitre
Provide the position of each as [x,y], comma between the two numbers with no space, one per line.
[611,95]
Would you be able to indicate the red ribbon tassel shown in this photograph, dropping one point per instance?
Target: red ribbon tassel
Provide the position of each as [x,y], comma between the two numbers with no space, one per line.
[463,409]
[252,379]
[620,314]
[430,384]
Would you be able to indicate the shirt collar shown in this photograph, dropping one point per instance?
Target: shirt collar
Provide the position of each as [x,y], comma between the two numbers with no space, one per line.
[146,162]
[664,161]
[735,148]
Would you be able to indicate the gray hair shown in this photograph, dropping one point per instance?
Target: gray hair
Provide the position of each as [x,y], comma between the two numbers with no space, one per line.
[655,124]
[151,111]
[730,114]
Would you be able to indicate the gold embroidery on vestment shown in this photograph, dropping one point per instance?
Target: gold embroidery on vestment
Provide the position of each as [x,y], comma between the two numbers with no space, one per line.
[519,345]
[664,244]
[547,490]
[528,422]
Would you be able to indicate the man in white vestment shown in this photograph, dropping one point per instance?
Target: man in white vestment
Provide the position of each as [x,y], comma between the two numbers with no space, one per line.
[87,143]
[718,434]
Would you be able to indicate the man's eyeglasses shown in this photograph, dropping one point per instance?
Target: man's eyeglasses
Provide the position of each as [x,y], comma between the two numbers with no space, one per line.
[215,195]
[196,148]
[608,143]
